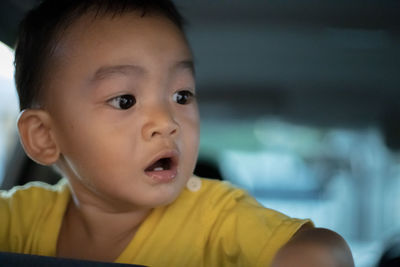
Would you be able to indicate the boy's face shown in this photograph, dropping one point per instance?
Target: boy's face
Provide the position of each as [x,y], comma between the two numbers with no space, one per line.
[124,119]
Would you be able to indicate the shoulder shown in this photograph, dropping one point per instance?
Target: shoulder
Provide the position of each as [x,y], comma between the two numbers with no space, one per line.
[209,197]
[238,223]
[233,201]
[214,191]
[222,196]
[22,206]
[28,200]
[224,200]
[32,193]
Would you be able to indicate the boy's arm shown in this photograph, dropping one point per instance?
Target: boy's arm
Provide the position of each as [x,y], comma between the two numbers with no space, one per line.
[314,247]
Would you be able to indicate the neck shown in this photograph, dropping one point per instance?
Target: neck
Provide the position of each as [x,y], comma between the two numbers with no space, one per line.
[99,225]
[99,217]
[101,231]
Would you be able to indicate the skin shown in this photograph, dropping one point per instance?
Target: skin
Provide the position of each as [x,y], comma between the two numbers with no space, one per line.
[104,150]
[314,247]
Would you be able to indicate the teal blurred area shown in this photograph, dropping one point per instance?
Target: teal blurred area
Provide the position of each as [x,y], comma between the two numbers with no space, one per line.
[343,179]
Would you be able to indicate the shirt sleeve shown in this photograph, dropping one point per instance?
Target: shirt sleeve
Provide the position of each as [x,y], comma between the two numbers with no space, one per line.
[16,209]
[23,211]
[245,233]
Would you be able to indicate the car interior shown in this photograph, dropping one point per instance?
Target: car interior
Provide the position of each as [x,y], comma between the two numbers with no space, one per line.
[299,104]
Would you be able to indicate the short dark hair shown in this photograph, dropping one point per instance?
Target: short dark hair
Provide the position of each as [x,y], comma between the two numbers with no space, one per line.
[41,28]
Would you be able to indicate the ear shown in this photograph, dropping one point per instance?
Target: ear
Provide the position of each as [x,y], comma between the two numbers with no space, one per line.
[35,132]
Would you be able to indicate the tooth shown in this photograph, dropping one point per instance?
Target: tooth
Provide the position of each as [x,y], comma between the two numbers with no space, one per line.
[159,169]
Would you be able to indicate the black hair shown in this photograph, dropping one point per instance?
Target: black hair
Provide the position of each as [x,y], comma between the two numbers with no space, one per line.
[41,28]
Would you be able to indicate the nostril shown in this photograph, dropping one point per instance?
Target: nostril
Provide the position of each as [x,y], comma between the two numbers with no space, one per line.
[154,134]
[160,126]
[166,131]
[174,131]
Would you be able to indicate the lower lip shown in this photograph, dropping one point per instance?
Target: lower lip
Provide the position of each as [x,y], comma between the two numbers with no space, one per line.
[163,176]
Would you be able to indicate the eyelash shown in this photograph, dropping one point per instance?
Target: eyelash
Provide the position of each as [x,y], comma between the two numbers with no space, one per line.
[123,102]
[186,95]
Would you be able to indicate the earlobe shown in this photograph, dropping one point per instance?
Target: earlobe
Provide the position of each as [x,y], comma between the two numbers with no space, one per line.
[35,131]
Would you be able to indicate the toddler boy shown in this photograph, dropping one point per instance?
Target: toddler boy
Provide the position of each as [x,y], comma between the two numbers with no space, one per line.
[107,96]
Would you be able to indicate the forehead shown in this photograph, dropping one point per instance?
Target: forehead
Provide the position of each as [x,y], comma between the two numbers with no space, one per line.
[128,35]
[153,43]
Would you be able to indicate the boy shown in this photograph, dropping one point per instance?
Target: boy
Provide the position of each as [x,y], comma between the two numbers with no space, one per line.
[107,94]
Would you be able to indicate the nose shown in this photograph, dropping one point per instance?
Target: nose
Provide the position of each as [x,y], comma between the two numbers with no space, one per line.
[160,123]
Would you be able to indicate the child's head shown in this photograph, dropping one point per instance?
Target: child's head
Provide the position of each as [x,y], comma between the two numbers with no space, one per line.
[107,92]
[43,27]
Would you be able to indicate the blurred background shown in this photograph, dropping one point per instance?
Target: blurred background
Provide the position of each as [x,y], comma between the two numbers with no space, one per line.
[299,103]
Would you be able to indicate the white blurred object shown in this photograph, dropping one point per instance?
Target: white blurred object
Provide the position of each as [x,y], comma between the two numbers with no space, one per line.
[267,170]
[6,62]
[8,105]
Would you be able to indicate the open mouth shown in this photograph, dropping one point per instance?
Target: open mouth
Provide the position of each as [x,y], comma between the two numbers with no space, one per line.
[164,168]
[162,164]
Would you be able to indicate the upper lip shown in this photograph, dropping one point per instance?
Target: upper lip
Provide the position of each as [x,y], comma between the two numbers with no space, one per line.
[172,154]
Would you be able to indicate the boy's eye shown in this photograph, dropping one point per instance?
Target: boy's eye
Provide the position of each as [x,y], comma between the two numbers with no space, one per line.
[122,101]
[183,97]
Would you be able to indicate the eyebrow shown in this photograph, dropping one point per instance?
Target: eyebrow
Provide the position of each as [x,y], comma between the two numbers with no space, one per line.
[185,64]
[106,71]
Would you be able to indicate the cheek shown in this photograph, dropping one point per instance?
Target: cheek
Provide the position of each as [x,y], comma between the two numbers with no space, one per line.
[83,143]
[192,132]
[191,121]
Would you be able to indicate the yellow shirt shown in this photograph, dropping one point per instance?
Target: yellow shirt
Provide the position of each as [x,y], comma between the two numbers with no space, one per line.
[213,224]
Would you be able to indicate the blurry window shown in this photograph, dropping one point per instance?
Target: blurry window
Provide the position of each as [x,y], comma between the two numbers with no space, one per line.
[8,106]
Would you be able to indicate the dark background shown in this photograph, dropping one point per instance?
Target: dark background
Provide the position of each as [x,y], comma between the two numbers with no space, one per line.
[326,62]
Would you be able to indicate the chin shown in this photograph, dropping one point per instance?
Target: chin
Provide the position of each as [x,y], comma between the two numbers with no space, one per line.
[165,197]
